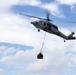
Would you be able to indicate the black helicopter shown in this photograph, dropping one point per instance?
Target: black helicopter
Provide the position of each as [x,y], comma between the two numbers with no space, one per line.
[47,26]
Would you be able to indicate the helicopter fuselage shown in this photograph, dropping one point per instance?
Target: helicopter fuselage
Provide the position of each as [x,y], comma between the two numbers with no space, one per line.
[51,28]
[46,26]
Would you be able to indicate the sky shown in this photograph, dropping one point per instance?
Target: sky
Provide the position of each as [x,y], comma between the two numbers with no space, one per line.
[20,42]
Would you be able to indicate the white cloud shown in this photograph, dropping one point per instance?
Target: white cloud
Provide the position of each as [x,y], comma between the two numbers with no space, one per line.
[5,5]
[73,9]
[71,3]
[30,2]
[55,61]
[6,51]
[68,2]
[14,28]
[53,8]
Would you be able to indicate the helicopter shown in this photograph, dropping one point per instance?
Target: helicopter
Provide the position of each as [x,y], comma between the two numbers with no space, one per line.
[47,26]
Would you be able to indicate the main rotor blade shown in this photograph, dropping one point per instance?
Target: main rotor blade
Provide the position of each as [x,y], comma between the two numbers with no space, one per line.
[31,16]
[48,16]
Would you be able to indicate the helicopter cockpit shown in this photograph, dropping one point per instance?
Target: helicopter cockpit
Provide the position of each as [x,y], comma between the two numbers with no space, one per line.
[55,27]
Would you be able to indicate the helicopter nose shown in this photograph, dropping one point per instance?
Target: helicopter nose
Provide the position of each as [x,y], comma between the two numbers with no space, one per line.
[32,22]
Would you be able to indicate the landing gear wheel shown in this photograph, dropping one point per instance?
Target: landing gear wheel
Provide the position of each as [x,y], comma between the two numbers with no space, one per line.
[38,30]
[64,41]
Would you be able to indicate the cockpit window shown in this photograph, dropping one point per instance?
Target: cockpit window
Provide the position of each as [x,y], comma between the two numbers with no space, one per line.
[44,23]
[41,21]
[55,27]
[36,22]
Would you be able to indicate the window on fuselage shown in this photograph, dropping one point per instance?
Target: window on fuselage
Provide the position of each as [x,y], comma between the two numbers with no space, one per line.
[55,27]
[44,23]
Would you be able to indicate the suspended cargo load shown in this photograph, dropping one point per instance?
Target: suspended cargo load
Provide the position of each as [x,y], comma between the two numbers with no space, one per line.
[40,56]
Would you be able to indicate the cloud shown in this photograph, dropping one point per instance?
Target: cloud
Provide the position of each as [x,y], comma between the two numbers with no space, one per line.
[6,5]
[71,3]
[4,51]
[31,3]
[68,2]
[55,61]
[11,49]
[13,28]
[73,9]
[53,8]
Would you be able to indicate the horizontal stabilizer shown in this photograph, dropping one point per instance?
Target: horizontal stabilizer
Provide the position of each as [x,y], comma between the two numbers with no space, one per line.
[70,37]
